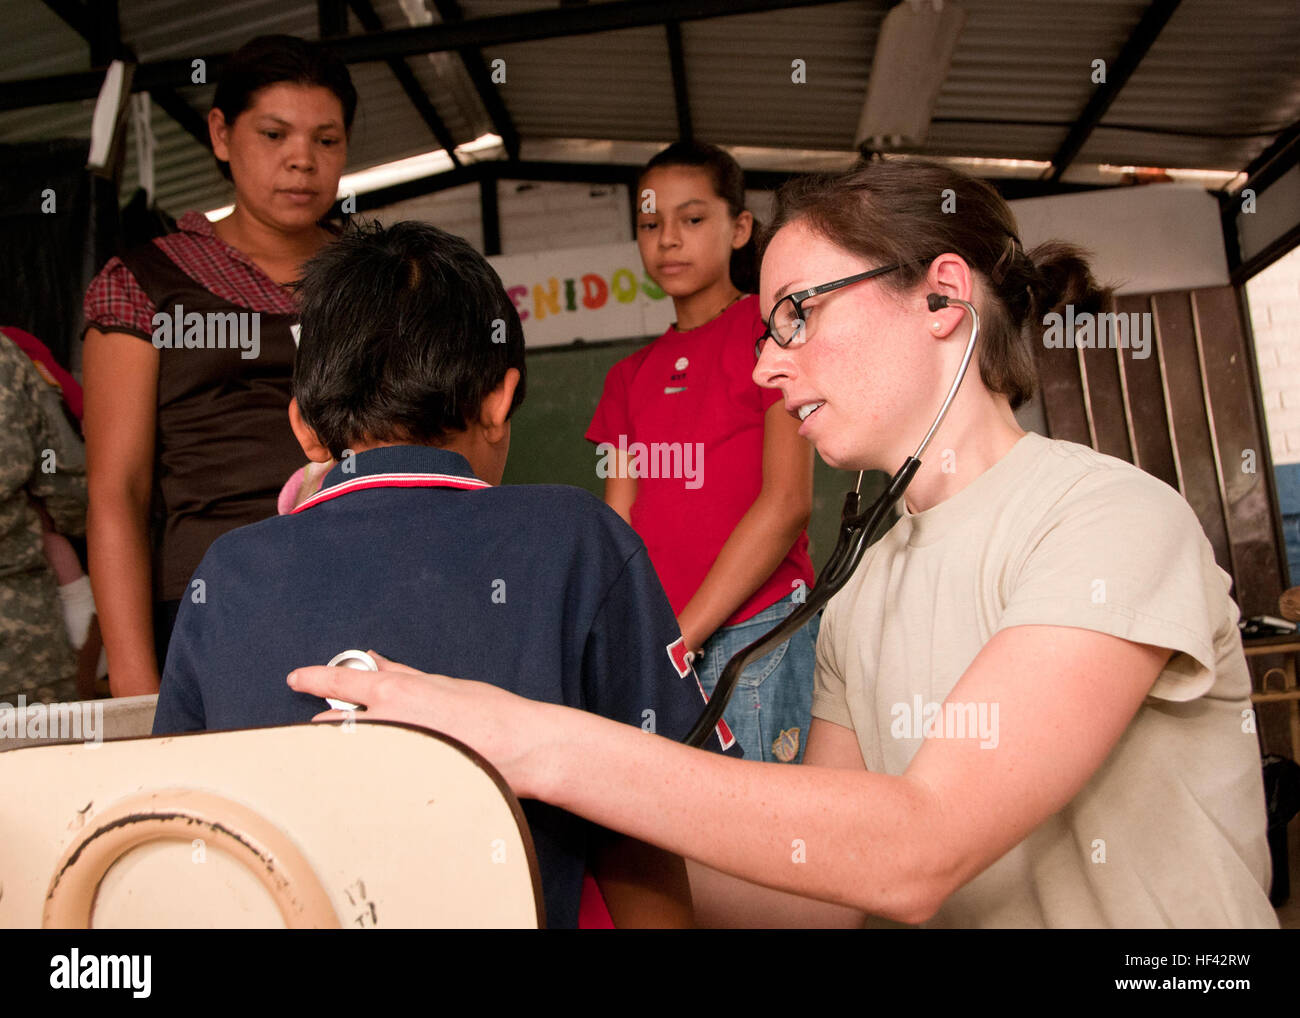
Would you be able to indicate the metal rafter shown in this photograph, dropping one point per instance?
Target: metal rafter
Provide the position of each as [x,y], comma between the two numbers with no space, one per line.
[1280,156]
[490,214]
[625,174]
[549,23]
[681,97]
[476,67]
[1118,72]
[332,17]
[103,33]
[366,14]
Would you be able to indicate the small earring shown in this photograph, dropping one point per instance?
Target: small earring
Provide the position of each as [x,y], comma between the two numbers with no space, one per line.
[936,326]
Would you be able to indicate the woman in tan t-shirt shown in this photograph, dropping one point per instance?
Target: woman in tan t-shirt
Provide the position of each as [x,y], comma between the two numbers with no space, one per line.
[1029,808]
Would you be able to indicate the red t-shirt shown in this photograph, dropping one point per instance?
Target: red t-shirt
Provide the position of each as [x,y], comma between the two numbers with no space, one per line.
[685,393]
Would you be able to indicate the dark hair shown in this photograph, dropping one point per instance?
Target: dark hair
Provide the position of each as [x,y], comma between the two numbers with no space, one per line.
[912,211]
[405,330]
[271,59]
[728,184]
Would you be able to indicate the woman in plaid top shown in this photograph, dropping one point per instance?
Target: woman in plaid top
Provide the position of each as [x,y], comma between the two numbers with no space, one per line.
[189,350]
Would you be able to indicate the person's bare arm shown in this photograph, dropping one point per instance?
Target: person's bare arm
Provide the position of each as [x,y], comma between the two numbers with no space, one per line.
[764,534]
[121,383]
[726,902]
[644,887]
[620,489]
[892,846]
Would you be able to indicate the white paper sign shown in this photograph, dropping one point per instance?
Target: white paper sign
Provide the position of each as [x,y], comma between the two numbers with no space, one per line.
[589,293]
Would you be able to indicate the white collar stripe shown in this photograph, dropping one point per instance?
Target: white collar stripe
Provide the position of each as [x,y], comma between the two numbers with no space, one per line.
[392,481]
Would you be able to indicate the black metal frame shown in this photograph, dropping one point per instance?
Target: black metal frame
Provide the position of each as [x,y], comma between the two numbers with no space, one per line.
[474,33]
[476,67]
[99,25]
[681,96]
[401,70]
[490,215]
[1144,35]
[332,18]
[627,174]
[1280,158]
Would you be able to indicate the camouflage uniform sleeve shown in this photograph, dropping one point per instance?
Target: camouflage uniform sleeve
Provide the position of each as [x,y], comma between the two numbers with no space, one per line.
[35,657]
[58,478]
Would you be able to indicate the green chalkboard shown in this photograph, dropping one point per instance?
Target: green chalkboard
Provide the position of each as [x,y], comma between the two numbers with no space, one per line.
[547,447]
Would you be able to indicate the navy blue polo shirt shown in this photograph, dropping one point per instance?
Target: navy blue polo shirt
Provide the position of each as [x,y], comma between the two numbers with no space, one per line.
[539,589]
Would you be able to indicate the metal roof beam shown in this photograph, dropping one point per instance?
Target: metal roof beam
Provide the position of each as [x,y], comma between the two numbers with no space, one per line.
[97,24]
[1280,156]
[415,92]
[472,173]
[548,23]
[476,67]
[490,215]
[626,174]
[1149,27]
[103,32]
[681,97]
[194,122]
[106,33]
[332,17]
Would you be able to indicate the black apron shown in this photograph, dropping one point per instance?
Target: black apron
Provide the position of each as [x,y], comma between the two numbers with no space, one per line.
[224,447]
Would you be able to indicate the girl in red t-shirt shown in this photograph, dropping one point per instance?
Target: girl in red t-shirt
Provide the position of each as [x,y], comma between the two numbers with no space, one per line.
[707,467]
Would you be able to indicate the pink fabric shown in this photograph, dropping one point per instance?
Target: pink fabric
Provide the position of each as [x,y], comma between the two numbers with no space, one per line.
[289,493]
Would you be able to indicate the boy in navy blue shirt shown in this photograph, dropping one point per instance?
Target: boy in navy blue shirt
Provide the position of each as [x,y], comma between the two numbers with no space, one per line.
[410,364]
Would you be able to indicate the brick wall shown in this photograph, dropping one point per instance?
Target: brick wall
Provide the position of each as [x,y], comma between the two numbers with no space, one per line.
[1274,300]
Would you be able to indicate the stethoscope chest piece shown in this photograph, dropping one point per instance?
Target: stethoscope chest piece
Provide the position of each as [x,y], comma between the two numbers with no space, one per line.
[357,659]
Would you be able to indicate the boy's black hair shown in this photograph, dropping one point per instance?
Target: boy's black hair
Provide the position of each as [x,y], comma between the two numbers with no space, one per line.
[405,331]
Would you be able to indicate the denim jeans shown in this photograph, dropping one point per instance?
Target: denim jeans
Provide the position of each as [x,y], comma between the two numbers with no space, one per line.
[771,704]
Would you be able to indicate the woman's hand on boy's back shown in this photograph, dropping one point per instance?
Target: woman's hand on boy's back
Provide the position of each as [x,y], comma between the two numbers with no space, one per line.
[493,722]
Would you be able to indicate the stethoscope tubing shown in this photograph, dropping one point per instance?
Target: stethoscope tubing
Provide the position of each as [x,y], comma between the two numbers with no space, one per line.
[857,530]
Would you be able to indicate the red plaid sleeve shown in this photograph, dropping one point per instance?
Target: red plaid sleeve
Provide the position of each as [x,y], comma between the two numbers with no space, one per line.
[115,302]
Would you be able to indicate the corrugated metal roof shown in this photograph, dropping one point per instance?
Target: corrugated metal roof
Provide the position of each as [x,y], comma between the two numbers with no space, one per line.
[740,74]
[1020,77]
[614,85]
[37,42]
[1218,67]
[165,29]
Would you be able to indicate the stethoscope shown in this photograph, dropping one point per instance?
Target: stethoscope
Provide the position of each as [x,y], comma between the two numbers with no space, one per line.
[857,529]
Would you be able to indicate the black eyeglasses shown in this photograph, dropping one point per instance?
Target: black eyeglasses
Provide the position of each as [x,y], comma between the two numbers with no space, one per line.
[786,323]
